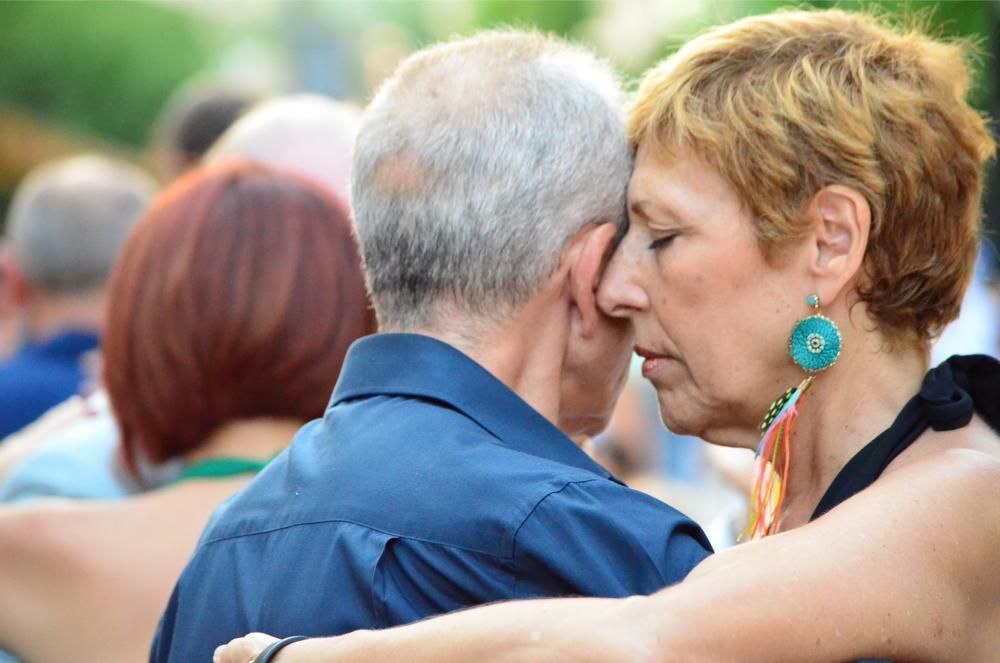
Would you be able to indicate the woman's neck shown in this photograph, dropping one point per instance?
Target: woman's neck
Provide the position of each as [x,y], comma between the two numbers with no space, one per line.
[846,407]
[261,439]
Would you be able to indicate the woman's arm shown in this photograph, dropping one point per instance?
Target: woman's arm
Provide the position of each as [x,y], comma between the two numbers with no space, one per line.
[538,631]
[907,570]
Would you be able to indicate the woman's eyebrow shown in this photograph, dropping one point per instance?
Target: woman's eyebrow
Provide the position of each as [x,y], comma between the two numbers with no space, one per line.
[642,208]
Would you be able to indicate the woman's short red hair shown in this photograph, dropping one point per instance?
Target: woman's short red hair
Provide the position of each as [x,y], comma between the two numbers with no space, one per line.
[236,296]
[784,104]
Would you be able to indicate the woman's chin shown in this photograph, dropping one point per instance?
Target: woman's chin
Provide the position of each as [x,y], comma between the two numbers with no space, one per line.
[676,422]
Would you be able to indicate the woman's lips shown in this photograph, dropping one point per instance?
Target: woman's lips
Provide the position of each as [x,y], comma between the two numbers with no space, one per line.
[652,362]
[651,365]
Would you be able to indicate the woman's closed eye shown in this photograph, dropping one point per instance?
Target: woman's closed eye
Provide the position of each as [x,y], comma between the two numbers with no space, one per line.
[662,242]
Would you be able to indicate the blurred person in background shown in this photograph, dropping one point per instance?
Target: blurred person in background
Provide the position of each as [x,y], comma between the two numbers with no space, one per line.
[76,453]
[65,227]
[789,163]
[230,312]
[8,320]
[191,121]
[445,472]
[309,134]
[70,451]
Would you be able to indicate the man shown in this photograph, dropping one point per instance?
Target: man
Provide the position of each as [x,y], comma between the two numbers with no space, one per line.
[488,186]
[66,225]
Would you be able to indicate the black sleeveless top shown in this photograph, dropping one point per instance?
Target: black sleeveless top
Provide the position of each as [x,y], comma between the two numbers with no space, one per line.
[949,396]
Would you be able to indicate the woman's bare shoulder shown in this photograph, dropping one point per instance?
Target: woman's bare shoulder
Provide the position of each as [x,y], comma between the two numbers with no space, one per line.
[972,448]
[951,490]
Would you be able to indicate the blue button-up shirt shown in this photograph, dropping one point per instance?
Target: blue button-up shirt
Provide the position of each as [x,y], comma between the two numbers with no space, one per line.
[428,486]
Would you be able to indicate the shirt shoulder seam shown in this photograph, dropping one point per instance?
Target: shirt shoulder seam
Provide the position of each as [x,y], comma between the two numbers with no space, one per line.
[517,532]
[408,537]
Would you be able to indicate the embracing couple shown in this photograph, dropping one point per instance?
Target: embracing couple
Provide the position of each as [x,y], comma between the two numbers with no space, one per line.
[781,224]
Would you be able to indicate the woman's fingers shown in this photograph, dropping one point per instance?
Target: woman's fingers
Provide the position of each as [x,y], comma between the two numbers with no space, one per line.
[243,650]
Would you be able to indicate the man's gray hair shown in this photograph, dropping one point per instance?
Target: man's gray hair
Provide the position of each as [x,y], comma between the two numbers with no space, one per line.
[475,163]
[69,219]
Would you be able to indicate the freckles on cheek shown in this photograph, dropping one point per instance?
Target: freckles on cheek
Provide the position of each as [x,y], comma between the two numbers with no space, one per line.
[686,274]
[688,288]
[735,274]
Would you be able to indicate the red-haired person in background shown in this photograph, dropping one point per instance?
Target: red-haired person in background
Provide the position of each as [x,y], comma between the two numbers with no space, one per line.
[231,309]
[73,451]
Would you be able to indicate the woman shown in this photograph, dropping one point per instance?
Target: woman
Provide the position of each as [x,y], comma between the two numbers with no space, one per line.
[230,311]
[804,215]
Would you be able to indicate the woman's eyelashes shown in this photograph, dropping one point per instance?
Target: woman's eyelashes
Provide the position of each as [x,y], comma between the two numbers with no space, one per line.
[662,242]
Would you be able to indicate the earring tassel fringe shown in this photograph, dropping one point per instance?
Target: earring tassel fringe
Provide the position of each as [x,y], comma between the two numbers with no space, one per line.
[771,463]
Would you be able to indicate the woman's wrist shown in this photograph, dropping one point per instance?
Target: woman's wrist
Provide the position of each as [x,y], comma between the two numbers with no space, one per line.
[270,653]
[355,646]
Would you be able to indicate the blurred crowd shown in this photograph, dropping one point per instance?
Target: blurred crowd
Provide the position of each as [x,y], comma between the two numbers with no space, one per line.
[158,329]
[181,319]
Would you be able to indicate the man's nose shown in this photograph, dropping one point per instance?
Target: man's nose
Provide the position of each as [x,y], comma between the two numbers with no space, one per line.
[620,294]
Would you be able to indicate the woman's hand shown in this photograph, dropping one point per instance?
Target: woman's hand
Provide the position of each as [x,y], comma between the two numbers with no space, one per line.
[243,650]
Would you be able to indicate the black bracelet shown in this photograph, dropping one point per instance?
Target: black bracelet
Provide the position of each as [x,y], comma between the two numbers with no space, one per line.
[268,654]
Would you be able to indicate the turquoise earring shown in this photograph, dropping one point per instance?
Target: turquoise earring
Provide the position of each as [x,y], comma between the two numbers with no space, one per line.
[815,346]
[815,342]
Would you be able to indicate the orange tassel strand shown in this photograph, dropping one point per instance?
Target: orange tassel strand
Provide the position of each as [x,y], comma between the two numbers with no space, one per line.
[771,463]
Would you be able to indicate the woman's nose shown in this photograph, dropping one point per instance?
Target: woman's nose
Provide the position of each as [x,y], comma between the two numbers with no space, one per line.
[620,294]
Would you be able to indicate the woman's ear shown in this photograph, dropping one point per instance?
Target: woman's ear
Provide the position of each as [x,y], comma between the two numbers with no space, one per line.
[842,222]
[585,272]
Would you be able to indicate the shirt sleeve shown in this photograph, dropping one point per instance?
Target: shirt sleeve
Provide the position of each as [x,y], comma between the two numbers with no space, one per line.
[159,651]
[599,538]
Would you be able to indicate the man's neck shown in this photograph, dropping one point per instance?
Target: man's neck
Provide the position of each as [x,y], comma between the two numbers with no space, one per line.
[46,317]
[526,352]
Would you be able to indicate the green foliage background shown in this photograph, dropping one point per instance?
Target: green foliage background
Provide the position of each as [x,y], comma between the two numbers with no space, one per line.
[107,67]
[104,69]
[99,67]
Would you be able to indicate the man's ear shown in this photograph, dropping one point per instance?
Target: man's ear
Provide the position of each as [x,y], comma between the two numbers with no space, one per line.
[14,289]
[585,272]
[842,222]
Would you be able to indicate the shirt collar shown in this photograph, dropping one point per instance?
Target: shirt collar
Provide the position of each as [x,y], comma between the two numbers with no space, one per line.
[421,366]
